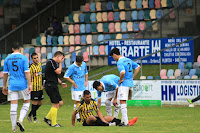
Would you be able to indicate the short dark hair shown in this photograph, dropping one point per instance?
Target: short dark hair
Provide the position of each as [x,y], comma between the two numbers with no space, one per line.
[114,51]
[33,54]
[16,45]
[96,84]
[79,59]
[58,53]
[86,92]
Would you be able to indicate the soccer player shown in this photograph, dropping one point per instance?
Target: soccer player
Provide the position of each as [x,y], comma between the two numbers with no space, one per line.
[16,65]
[109,84]
[78,72]
[125,67]
[52,70]
[86,107]
[37,88]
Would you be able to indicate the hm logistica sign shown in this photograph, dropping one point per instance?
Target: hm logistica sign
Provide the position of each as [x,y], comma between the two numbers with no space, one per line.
[137,48]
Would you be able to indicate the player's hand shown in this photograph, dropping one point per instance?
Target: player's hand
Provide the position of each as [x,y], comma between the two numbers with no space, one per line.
[74,85]
[29,89]
[120,81]
[106,122]
[64,85]
[85,84]
[5,90]
[115,102]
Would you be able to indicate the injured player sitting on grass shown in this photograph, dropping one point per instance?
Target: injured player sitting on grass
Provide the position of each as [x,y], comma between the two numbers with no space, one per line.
[86,107]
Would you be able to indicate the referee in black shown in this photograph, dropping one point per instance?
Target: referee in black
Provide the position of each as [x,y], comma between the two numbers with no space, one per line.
[37,88]
[52,70]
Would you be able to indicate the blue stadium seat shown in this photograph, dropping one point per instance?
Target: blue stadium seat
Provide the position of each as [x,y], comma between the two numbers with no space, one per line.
[95,39]
[100,38]
[134,15]
[187,77]
[63,64]
[82,28]
[159,13]
[65,49]
[128,15]
[49,56]
[151,4]
[188,65]
[106,36]
[181,66]
[124,26]
[67,62]
[95,50]
[149,77]
[106,49]
[93,17]
[73,57]
[44,55]
[192,72]
[49,40]
[185,72]
[109,6]
[136,26]
[60,40]
[139,4]
[170,72]
[83,39]
[141,15]
[92,6]
[125,36]
[88,28]
[82,17]
[26,50]
[49,50]
[116,16]
[54,49]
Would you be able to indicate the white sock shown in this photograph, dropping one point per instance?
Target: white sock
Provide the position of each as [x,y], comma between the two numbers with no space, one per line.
[77,115]
[108,107]
[124,113]
[24,111]
[13,114]
[116,111]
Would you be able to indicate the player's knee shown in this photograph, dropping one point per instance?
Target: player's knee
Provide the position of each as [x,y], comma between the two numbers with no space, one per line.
[107,102]
[92,118]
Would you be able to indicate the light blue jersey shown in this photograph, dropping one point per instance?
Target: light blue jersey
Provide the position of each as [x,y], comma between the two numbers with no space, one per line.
[16,65]
[110,83]
[78,75]
[127,65]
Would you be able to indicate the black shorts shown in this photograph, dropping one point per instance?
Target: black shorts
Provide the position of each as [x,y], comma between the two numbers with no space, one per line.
[53,92]
[37,95]
[85,124]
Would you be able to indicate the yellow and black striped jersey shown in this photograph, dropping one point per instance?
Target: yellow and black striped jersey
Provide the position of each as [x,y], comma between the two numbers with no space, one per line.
[36,76]
[85,110]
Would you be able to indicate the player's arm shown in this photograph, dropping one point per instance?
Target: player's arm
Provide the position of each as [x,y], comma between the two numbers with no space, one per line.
[64,85]
[101,116]
[99,103]
[67,75]
[122,74]
[137,69]
[5,89]
[28,77]
[86,76]
[115,99]
[73,118]
[59,69]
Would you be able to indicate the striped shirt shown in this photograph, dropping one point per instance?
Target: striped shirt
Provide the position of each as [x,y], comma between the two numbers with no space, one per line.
[36,76]
[85,110]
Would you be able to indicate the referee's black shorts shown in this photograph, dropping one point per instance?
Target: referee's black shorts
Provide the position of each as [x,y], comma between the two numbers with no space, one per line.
[37,95]
[53,92]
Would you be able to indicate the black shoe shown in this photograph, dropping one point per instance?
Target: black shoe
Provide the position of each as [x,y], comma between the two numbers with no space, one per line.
[79,120]
[47,121]
[29,118]
[21,126]
[123,125]
[57,125]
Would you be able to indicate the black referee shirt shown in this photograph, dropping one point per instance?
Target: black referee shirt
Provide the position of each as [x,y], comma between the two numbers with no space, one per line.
[50,74]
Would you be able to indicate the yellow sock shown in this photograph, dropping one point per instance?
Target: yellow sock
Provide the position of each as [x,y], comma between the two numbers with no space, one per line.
[49,115]
[53,115]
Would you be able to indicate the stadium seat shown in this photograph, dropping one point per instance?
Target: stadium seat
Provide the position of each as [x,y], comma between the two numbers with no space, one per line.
[147,15]
[155,26]
[157,4]
[54,49]
[198,59]
[124,26]
[172,14]
[189,3]
[67,62]
[145,4]
[109,6]
[115,6]
[87,7]
[94,28]
[113,36]
[71,49]
[194,77]
[181,66]
[49,40]
[55,41]
[118,27]
[185,72]
[130,26]
[48,50]
[65,28]
[122,15]
[71,29]
[85,57]
[95,39]
[164,12]
[43,68]
[78,50]
[101,50]
[139,4]
[124,36]
[111,27]
[133,4]
[66,40]
[38,40]
[71,20]
[76,18]
[93,17]
[148,25]
[195,65]
[157,77]
[87,18]
[104,17]
[106,49]
[88,28]
[77,40]
[180,77]
[188,65]
[83,40]
[100,38]
[37,50]
[71,40]
[153,14]
[170,72]
[127,5]
[159,13]
[172,77]
[164,77]
[82,18]
[192,72]
[142,77]
[26,54]
[110,16]
[89,39]
[60,40]
[141,15]
[151,4]
[98,6]
[121,5]
[76,28]
[142,25]
[100,27]
[26,50]
[105,27]
[169,3]
[136,26]
[95,50]
[43,49]
[164,3]
[60,49]
[31,50]
[82,28]
[198,72]
[149,77]
[186,77]
[73,57]
[119,36]
[92,6]
[128,15]
[65,50]
[43,56]
[177,73]
[116,16]
[163,72]
[49,56]
[43,40]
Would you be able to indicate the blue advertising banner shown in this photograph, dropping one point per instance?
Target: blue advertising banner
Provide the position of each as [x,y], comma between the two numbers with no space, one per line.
[137,48]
